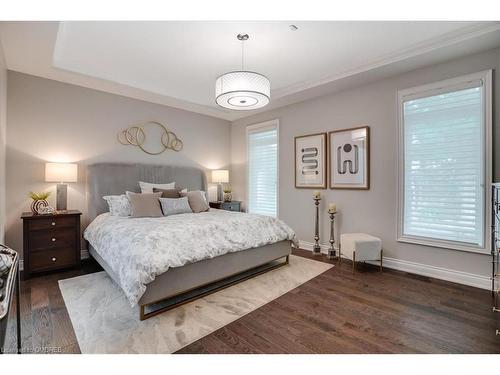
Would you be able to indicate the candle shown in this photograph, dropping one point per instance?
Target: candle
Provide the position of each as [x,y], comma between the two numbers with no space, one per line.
[316,195]
[332,208]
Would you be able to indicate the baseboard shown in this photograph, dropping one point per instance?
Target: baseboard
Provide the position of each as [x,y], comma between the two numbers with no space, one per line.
[309,246]
[478,281]
[84,255]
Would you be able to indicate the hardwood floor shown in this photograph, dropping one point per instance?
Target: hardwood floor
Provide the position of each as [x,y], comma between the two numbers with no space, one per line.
[336,312]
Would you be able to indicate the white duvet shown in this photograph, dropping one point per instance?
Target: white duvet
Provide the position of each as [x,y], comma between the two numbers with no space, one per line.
[139,249]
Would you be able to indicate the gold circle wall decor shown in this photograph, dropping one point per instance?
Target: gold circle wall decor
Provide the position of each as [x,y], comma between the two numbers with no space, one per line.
[136,136]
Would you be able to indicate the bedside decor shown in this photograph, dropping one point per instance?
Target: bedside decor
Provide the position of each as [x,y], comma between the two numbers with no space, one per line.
[228,197]
[39,201]
[310,161]
[316,247]
[136,136]
[332,210]
[61,173]
[350,158]
[219,177]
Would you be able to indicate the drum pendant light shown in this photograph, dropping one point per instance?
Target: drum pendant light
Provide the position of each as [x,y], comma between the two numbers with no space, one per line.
[242,90]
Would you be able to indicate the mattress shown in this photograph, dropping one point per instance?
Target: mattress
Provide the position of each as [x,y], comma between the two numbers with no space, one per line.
[137,250]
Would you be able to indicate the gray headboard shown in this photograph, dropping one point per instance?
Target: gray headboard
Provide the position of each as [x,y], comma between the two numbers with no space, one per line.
[116,178]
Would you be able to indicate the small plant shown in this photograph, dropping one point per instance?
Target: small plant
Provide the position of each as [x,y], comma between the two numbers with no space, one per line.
[39,196]
[227,189]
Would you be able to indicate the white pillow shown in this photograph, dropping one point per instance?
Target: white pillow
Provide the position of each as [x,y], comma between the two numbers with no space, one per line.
[147,187]
[119,205]
[174,206]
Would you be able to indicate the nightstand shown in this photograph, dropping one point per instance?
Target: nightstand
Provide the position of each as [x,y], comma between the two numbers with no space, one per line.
[228,206]
[50,242]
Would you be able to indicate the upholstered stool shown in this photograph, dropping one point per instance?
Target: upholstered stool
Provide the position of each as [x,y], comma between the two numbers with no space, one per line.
[360,247]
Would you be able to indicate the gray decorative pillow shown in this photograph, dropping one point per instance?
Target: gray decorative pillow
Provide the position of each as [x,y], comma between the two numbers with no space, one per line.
[119,205]
[145,205]
[168,193]
[197,200]
[174,206]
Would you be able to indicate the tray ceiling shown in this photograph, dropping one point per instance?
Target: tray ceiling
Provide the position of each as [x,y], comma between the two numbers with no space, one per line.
[176,63]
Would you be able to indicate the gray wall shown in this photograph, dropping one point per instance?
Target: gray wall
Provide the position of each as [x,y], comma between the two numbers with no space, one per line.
[373,211]
[3,125]
[52,121]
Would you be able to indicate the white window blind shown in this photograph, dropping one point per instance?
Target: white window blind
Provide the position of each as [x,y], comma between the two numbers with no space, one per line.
[262,143]
[444,164]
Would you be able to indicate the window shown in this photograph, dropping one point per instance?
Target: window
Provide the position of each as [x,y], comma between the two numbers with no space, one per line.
[445,163]
[262,149]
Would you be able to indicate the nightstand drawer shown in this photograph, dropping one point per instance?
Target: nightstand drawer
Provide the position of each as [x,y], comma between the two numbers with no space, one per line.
[52,223]
[231,206]
[40,240]
[44,260]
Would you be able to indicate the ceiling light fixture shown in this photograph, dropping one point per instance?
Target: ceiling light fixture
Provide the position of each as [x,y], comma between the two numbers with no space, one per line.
[242,90]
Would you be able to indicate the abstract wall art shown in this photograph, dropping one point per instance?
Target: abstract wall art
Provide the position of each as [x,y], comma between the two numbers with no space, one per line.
[350,158]
[310,161]
[152,137]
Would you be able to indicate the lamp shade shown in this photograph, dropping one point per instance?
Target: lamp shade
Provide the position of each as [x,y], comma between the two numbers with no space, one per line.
[242,90]
[61,172]
[220,176]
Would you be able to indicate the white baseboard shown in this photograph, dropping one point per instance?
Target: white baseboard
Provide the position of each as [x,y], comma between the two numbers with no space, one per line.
[84,255]
[478,281]
[309,246]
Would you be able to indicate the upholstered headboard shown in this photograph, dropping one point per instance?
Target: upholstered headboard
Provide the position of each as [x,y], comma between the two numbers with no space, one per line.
[116,178]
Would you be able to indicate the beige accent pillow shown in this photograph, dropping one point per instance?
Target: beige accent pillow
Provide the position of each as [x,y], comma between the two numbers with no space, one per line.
[197,200]
[145,205]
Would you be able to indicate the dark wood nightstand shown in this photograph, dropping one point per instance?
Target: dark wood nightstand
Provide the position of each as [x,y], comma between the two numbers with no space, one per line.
[50,242]
[228,206]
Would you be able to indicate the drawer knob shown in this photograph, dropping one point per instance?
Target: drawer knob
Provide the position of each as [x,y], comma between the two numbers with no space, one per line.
[53,239]
[53,223]
[54,259]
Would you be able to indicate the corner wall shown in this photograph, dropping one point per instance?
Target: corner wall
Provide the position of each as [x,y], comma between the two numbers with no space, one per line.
[373,211]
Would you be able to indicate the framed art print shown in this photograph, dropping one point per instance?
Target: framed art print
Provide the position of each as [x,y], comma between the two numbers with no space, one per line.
[350,158]
[310,161]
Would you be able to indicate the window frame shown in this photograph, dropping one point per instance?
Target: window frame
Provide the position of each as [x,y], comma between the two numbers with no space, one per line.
[434,89]
[262,126]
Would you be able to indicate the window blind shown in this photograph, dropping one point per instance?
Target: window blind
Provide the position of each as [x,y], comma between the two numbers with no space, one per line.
[263,170]
[444,166]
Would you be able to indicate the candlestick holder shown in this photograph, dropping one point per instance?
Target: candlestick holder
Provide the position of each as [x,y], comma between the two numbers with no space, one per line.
[316,247]
[332,253]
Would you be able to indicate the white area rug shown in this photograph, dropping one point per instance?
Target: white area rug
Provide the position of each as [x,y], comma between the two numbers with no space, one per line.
[104,322]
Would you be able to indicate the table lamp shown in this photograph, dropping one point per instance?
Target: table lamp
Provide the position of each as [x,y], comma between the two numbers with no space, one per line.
[220,176]
[61,173]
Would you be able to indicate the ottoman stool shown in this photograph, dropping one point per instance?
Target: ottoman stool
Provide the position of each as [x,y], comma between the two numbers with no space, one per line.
[360,247]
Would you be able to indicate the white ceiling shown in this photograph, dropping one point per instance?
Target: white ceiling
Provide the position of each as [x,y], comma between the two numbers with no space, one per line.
[176,63]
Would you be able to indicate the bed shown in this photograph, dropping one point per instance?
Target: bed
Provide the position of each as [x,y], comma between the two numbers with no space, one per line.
[219,248]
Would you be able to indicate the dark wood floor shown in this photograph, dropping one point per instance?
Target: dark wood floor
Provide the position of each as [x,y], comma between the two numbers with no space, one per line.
[336,312]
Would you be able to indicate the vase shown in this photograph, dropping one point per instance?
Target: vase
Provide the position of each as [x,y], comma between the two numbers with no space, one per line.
[228,197]
[37,205]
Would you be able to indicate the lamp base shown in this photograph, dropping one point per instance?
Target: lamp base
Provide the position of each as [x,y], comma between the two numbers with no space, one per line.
[62,197]
[220,197]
